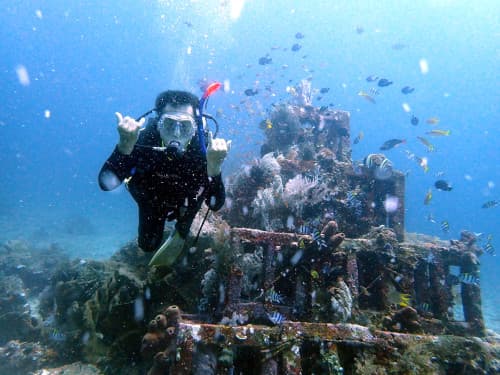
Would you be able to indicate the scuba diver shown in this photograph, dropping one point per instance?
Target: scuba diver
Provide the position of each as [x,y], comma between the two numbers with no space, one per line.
[170,166]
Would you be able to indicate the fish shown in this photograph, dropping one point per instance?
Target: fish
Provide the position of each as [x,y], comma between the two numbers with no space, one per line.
[391,143]
[414,120]
[428,197]
[57,336]
[439,132]
[359,137]
[432,121]
[373,91]
[315,274]
[404,300]
[366,96]
[490,204]
[468,278]
[360,30]
[372,78]
[430,146]
[430,218]
[443,185]
[264,60]
[296,47]
[273,296]
[324,90]
[276,318]
[488,247]
[251,92]
[316,237]
[398,46]
[299,35]
[383,82]
[407,90]
[305,229]
[445,226]
[424,307]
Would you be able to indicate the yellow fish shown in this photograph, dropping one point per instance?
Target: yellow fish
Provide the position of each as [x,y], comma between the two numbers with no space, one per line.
[428,197]
[439,132]
[430,146]
[366,96]
[404,299]
[433,120]
[269,124]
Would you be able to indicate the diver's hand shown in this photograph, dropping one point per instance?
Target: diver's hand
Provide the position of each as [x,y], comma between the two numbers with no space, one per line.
[216,153]
[128,129]
[169,251]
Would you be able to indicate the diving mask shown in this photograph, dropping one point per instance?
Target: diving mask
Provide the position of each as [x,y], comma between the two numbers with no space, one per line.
[176,129]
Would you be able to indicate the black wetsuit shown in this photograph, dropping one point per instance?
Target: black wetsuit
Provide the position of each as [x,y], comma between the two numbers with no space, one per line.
[165,187]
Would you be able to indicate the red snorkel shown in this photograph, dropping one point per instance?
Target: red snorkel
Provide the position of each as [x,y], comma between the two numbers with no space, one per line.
[213,87]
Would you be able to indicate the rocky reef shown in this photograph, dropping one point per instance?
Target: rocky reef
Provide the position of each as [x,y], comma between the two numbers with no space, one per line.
[307,270]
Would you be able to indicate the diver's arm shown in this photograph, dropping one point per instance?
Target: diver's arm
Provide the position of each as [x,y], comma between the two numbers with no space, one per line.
[216,194]
[115,170]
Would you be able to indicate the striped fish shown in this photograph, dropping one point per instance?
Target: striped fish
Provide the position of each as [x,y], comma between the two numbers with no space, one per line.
[273,296]
[445,226]
[320,241]
[276,318]
[488,247]
[468,278]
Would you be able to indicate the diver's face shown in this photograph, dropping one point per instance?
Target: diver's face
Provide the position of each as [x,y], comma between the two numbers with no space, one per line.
[177,125]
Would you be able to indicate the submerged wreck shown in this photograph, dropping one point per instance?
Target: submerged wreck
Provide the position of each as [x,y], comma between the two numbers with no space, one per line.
[308,270]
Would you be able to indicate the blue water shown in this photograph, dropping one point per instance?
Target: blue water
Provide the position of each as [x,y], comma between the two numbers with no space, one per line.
[66,67]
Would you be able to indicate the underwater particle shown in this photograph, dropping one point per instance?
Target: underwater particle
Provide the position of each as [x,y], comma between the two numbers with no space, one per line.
[189,50]
[138,309]
[227,85]
[39,14]
[299,35]
[290,222]
[147,293]
[296,47]
[391,203]
[46,113]
[424,66]
[296,257]
[406,107]
[85,337]
[23,75]
[244,210]
[491,184]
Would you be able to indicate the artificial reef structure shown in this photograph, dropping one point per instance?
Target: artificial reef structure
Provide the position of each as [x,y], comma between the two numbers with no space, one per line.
[307,270]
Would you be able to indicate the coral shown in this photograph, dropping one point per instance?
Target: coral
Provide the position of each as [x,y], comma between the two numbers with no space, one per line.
[296,193]
[341,300]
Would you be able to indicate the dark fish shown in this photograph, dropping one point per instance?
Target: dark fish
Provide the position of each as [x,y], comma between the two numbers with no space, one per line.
[468,278]
[324,90]
[490,204]
[414,120]
[251,92]
[358,138]
[407,90]
[384,82]
[360,30]
[296,47]
[391,143]
[445,226]
[372,78]
[264,60]
[299,35]
[443,185]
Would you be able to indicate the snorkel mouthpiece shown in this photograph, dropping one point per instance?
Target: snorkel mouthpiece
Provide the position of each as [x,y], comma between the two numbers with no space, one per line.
[201,134]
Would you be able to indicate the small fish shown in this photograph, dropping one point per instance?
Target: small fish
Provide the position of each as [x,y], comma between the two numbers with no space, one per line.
[404,300]
[251,92]
[407,90]
[324,90]
[424,307]
[398,46]
[359,137]
[57,336]
[273,296]
[276,318]
[296,47]
[468,278]
[432,121]
[445,227]
[391,143]
[430,218]
[443,185]
[305,229]
[384,82]
[302,244]
[414,120]
[299,35]
[269,124]
[425,142]
[366,96]
[372,78]
[314,274]
[320,241]
[439,132]
[264,60]
[428,197]
[490,204]
[373,91]
[488,247]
